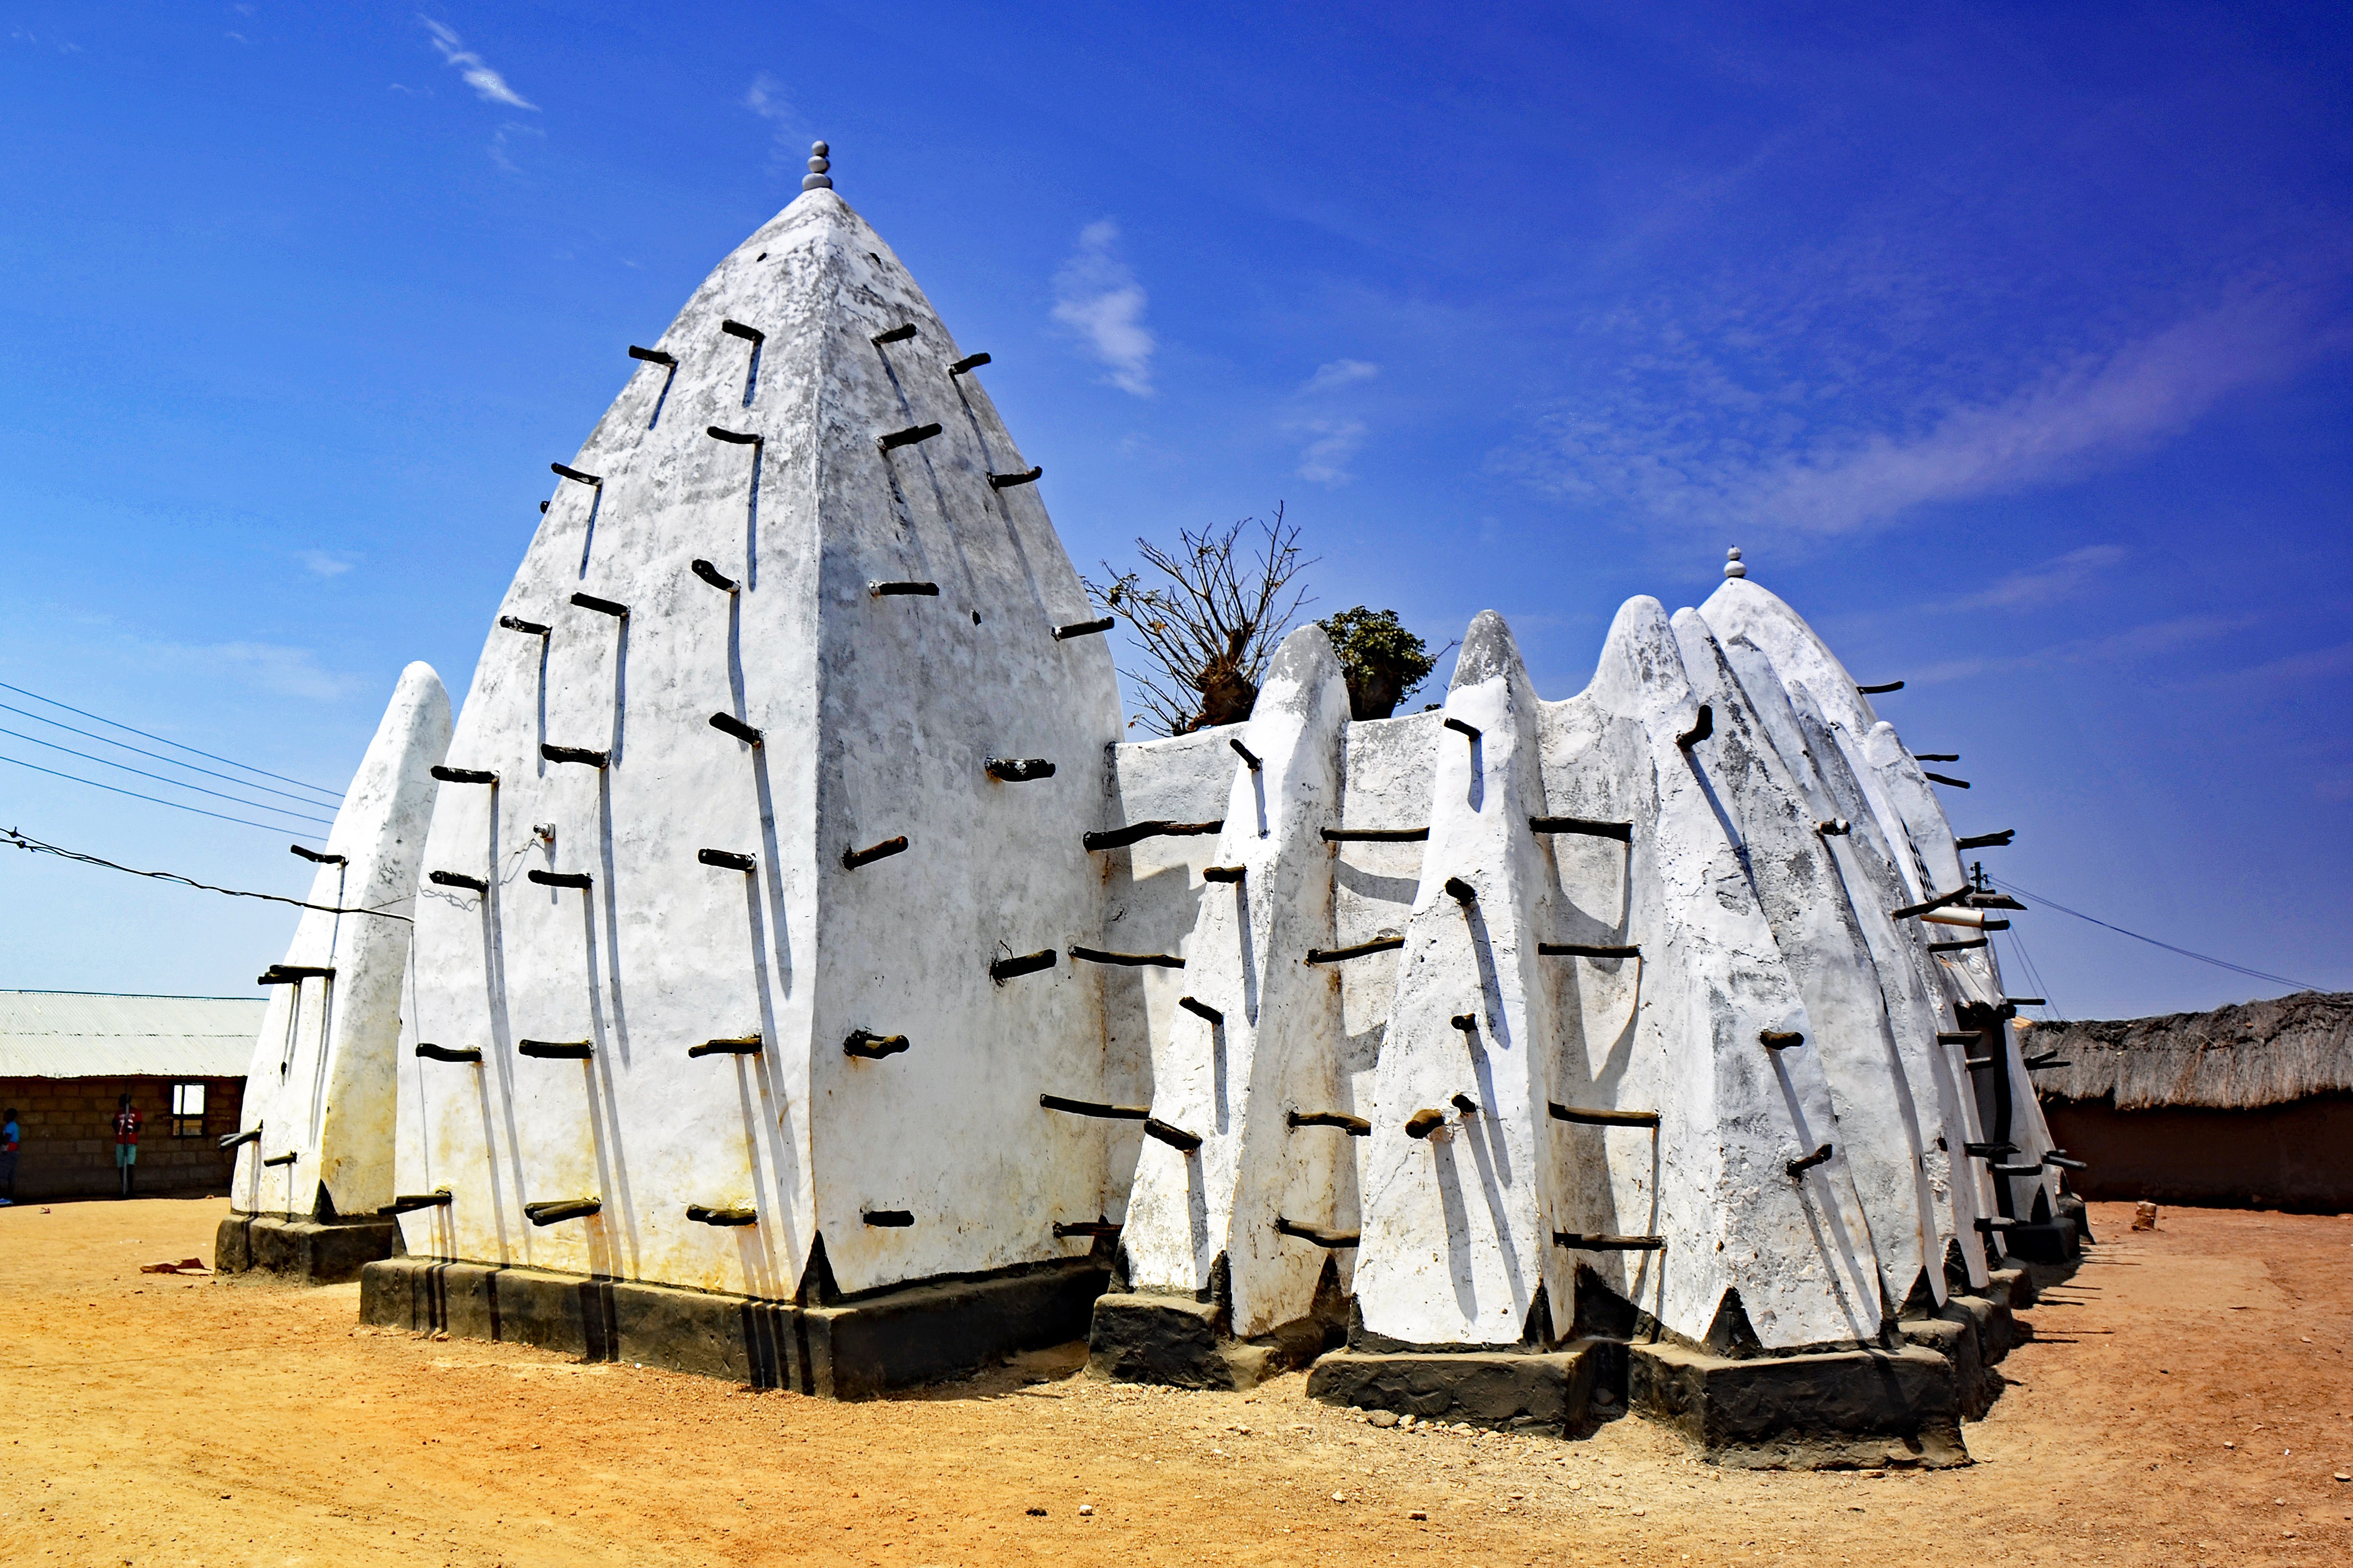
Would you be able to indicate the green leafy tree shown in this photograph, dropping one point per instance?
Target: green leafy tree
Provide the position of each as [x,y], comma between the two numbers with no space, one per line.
[1382,660]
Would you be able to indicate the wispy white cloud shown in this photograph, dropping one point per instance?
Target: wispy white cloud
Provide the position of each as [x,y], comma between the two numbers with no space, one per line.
[2313,664]
[488,84]
[1338,373]
[789,137]
[1334,437]
[1324,459]
[269,666]
[1734,424]
[504,140]
[2112,647]
[321,563]
[1100,301]
[2038,586]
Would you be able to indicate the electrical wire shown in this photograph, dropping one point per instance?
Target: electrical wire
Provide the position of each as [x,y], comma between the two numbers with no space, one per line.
[143,752]
[2202,958]
[200,811]
[175,784]
[14,840]
[2026,966]
[117,724]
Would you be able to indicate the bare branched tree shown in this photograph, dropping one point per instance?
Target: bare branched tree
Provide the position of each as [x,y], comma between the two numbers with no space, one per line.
[1211,627]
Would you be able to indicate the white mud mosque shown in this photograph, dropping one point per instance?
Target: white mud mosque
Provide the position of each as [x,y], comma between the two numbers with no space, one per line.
[808,983]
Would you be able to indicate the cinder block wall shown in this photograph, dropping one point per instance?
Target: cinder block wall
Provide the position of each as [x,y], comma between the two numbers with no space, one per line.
[68,1147]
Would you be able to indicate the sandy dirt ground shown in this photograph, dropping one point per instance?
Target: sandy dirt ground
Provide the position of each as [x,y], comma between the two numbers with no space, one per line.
[2187,1400]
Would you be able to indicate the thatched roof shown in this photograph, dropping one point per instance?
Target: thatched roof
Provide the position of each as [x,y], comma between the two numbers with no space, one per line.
[2253,1054]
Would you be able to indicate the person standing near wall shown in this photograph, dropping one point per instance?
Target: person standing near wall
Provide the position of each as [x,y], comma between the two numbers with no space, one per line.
[126,1141]
[8,1135]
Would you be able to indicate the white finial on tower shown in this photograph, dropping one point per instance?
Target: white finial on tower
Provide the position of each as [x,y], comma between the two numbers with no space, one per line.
[1732,566]
[817,179]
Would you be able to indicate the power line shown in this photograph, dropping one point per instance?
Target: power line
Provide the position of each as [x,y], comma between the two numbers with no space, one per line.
[175,784]
[200,811]
[281,778]
[17,841]
[2202,958]
[141,751]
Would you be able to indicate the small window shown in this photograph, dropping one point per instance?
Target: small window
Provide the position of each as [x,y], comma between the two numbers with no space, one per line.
[187,1110]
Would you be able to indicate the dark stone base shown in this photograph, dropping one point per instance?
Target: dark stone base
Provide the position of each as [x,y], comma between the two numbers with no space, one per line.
[1504,1391]
[1182,1343]
[854,1350]
[2053,1242]
[307,1251]
[1829,1410]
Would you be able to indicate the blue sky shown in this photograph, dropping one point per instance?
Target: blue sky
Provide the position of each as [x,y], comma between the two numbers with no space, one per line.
[2011,347]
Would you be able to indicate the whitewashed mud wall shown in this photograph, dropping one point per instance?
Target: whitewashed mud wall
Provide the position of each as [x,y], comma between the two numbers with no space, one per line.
[798,442]
[784,859]
[1258,1041]
[321,1091]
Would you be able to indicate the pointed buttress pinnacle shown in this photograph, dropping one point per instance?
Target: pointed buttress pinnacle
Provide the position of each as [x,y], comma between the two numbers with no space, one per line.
[817,179]
[1732,566]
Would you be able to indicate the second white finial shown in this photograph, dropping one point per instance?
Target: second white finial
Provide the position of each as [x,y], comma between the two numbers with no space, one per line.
[817,179]
[1732,566]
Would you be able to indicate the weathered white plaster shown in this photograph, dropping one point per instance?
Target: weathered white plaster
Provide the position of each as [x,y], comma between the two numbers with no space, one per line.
[322,1087]
[879,713]
[1801,886]
[1455,1248]
[1234,1081]
[1680,1034]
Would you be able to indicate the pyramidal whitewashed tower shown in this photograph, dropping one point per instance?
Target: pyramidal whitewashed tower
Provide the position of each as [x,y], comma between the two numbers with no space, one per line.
[810,986]
[314,1161]
[752,865]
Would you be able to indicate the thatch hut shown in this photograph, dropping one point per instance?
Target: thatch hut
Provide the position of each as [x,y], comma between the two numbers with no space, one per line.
[2251,1104]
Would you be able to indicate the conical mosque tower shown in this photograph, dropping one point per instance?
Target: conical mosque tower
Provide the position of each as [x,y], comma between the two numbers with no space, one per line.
[753,857]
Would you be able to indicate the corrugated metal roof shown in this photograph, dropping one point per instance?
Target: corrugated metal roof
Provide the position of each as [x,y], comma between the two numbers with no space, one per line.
[82,1034]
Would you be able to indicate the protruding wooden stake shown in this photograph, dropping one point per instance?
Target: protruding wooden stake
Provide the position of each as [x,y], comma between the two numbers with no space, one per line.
[702,1213]
[1083,628]
[1362,950]
[736,1046]
[561,1209]
[1622,831]
[871,1047]
[1202,1010]
[1250,758]
[1702,727]
[1354,1126]
[1007,481]
[558,1051]
[1127,959]
[852,859]
[712,575]
[528,628]
[579,879]
[1327,1240]
[464,775]
[968,364]
[898,334]
[725,860]
[458,880]
[895,440]
[580,754]
[593,481]
[431,1053]
[1004,969]
[602,606]
[728,724]
[1017,769]
[1134,832]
